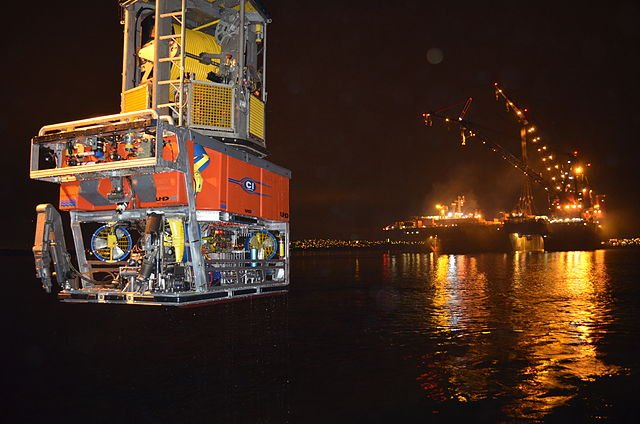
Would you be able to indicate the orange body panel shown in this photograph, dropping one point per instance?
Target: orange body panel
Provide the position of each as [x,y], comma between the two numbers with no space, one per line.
[235,186]
[170,149]
[229,185]
[167,189]
[170,191]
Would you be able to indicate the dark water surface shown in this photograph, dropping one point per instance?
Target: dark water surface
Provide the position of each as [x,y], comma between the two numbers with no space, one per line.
[362,336]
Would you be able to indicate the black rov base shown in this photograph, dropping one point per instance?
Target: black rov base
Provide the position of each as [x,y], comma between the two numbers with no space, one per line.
[169,299]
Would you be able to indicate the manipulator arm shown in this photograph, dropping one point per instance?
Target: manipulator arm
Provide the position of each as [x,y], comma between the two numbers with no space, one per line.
[49,245]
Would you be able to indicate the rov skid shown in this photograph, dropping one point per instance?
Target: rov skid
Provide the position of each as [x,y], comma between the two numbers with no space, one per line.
[171,201]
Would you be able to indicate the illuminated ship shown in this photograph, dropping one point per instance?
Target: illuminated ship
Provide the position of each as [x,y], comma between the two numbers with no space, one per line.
[452,230]
[171,201]
[575,210]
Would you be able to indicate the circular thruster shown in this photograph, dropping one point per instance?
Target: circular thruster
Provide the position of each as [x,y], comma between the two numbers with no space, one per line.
[263,240]
[111,243]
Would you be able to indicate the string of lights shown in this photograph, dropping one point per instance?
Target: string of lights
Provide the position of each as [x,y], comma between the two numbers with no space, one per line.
[564,177]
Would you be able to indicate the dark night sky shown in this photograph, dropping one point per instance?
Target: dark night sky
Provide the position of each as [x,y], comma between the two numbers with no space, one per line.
[347,83]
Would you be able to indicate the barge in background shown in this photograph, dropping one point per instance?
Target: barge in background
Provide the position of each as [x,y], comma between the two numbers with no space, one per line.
[574,214]
[455,231]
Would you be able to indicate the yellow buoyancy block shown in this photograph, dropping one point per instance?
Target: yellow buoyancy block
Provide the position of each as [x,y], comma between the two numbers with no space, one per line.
[196,42]
[177,237]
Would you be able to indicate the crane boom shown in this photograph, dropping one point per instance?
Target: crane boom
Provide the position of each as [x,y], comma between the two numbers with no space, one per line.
[569,193]
[520,113]
[467,132]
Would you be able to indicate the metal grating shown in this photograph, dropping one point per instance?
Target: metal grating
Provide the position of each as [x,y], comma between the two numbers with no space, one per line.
[256,117]
[211,106]
[136,99]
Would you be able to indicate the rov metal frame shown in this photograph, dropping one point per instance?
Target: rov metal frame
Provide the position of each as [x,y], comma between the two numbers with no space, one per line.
[209,43]
[173,80]
[149,122]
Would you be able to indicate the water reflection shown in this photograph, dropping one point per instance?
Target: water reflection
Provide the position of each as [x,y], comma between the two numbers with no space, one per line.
[459,289]
[568,309]
[523,328]
[405,265]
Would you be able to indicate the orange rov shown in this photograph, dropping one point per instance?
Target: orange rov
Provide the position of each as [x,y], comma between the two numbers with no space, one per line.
[171,201]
